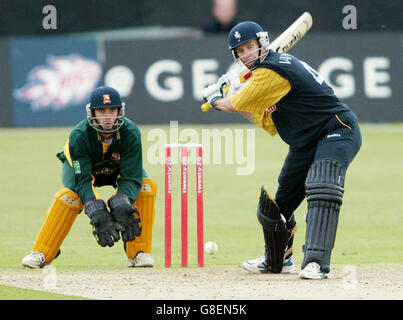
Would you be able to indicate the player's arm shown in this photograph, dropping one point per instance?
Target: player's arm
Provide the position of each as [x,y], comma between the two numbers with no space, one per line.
[131,165]
[265,89]
[128,186]
[78,155]
[224,104]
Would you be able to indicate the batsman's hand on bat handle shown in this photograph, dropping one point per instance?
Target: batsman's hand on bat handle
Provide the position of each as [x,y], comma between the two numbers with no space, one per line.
[205,107]
[231,78]
[229,84]
[211,94]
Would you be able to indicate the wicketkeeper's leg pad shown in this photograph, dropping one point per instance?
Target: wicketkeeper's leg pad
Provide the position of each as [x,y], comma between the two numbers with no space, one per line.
[145,204]
[58,220]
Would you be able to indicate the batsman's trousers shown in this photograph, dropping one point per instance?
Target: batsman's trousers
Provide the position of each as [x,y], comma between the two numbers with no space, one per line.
[340,142]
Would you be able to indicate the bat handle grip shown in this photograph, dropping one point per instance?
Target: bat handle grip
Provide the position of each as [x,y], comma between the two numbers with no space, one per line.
[205,107]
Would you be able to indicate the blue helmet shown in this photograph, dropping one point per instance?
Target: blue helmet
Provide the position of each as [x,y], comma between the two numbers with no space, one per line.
[105,97]
[244,32]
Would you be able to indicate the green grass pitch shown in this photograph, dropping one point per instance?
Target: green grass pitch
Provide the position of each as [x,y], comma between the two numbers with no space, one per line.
[370,225]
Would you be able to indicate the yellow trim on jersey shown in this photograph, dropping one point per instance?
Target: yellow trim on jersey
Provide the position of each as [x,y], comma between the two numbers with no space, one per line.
[67,152]
[337,117]
[94,189]
[264,90]
[105,148]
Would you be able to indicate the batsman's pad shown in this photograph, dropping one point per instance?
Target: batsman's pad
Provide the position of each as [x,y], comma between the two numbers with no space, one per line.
[324,188]
[145,204]
[325,181]
[58,220]
[274,230]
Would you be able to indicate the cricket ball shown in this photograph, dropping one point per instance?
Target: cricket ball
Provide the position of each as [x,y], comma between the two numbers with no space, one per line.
[210,247]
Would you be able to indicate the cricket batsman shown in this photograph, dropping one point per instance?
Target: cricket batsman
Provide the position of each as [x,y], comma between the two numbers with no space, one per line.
[286,96]
[104,149]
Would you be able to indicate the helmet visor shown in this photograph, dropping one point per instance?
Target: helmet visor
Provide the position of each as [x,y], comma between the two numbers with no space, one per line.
[250,57]
[105,124]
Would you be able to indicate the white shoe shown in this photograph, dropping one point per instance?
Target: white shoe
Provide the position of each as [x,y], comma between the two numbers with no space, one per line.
[141,259]
[34,260]
[312,271]
[289,265]
[259,265]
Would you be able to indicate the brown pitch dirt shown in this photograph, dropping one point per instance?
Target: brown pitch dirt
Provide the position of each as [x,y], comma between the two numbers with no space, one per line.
[212,283]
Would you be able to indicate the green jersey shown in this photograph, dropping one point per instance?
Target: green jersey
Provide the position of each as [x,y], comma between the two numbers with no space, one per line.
[96,163]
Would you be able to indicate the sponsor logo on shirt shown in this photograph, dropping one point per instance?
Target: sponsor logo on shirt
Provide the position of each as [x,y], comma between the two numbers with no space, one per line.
[272,108]
[115,157]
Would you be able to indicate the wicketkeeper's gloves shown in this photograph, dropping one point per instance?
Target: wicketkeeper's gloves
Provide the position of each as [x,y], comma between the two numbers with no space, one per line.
[126,215]
[106,231]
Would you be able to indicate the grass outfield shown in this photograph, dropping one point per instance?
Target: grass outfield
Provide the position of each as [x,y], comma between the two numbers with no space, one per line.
[370,225]
[10,293]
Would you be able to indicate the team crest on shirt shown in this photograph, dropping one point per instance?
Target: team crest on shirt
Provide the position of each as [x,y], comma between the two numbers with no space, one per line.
[115,157]
[237,35]
[271,109]
[107,99]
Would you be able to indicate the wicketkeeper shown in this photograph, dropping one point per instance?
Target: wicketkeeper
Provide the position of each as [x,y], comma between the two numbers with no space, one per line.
[288,97]
[104,149]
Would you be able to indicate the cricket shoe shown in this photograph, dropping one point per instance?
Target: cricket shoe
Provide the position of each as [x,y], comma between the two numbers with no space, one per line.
[142,259]
[34,260]
[312,271]
[259,265]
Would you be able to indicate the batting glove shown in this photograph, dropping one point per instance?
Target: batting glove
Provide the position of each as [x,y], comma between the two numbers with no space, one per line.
[212,93]
[232,80]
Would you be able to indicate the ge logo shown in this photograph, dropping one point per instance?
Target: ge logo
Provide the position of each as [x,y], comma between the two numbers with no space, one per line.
[121,78]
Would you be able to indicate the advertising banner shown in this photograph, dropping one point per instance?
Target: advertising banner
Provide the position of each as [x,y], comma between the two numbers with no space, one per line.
[52,79]
[163,80]
[6,104]
[364,69]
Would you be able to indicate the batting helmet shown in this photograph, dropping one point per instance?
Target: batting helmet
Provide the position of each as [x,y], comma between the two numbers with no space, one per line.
[244,32]
[105,97]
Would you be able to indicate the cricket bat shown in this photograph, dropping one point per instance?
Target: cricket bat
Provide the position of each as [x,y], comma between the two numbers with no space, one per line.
[282,44]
